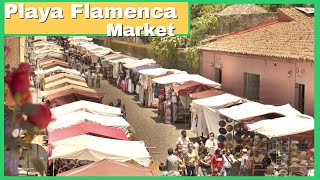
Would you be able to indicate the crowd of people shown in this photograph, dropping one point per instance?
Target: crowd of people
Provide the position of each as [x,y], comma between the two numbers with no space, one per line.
[205,158]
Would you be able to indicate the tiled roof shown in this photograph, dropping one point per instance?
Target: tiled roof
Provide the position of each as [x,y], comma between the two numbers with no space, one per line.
[291,40]
[238,9]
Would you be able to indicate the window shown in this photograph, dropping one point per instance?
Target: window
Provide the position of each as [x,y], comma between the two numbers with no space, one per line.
[299,97]
[218,75]
[252,86]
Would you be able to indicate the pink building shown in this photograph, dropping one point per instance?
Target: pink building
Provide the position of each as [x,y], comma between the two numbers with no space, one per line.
[272,63]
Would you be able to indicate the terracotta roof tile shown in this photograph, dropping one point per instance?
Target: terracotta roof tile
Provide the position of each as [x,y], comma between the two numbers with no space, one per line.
[292,40]
[242,9]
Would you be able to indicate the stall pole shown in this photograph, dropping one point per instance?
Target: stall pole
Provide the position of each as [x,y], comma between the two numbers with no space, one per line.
[233,148]
[53,167]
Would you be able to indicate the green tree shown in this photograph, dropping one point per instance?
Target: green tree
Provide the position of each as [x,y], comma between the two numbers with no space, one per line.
[167,47]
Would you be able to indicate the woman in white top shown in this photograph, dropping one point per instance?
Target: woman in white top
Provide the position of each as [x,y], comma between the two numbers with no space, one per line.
[228,162]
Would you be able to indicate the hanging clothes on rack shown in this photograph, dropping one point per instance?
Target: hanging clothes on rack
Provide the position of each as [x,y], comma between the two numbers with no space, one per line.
[138,89]
[161,105]
[141,95]
[174,101]
[155,91]
[150,96]
[168,112]
[130,86]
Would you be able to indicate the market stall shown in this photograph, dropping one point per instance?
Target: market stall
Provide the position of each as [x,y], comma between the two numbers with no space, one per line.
[118,70]
[290,144]
[92,129]
[55,70]
[46,59]
[63,82]
[87,106]
[54,64]
[61,76]
[80,116]
[181,78]
[205,114]
[47,53]
[86,147]
[148,91]
[52,61]
[67,88]
[107,167]
[205,94]
[68,96]
[107,67]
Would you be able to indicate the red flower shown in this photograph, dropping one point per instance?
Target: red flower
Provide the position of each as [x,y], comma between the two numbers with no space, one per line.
[6,50]
[18,79]
[42,118]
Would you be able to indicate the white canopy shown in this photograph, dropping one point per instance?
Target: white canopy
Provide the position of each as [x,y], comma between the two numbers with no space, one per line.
[219,101]
[137,63]
[87,106]
[159,71]
[206,111]
[43,38]
[122,60]
[252,109]
[57,69]
[284,126]
[62,82]
[86,147]
[78,117]
[80,38]
[181,78]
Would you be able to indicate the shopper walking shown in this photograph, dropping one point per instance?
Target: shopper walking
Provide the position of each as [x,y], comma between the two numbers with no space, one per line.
[184,141]
[228,162]
[92,79]
[191,160]
[98,80]
[217,162]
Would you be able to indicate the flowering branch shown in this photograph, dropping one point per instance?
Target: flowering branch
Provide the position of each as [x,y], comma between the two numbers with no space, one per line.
[20,113]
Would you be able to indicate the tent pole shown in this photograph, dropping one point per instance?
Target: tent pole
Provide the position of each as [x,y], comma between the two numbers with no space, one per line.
[53,167]
[233,148]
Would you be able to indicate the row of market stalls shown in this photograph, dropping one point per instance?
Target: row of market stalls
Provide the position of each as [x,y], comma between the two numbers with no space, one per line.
[85,133]
[277,131]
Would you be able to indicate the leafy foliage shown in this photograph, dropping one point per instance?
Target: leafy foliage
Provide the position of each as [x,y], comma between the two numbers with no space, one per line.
[167,47]
[274,7]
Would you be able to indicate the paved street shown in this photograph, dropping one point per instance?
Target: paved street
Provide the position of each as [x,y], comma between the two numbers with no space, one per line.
[157,135]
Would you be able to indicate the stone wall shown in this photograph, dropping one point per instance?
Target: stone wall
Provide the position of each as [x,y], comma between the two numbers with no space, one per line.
[13,57]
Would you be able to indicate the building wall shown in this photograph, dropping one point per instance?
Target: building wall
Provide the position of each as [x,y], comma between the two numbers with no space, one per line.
[13,57]
[276,86]
[22,48]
